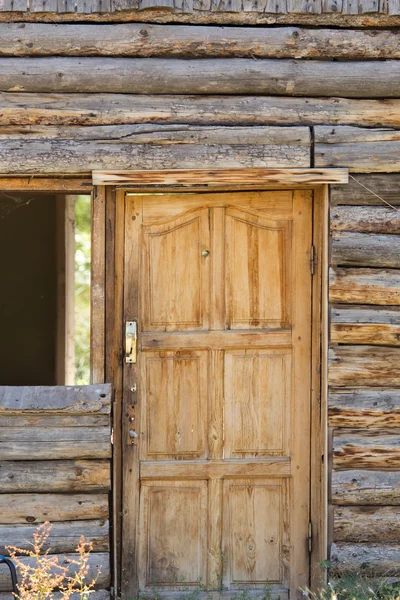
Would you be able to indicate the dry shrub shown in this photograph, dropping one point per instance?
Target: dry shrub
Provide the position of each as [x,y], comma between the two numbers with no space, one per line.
[44,577]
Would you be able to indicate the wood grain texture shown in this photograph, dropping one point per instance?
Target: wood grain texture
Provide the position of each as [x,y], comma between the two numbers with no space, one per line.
[366,524]
[74,400]
[386,185]
[351,324]
[365,249]
[54,476]
[53,156]
[211,76]
[139,40]
[54,443]
[116,109]
[372,560]
[64,536]
[364,365]
[223,178]
[37,508]
[370,488]
[365,219]
[364,286]
[362,408]
[362,150]
[369,449]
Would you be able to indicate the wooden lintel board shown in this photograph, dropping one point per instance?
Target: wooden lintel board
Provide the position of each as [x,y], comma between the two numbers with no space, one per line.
[220,178]
[37,183]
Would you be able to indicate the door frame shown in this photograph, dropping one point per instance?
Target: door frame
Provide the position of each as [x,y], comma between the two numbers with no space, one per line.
[107,366]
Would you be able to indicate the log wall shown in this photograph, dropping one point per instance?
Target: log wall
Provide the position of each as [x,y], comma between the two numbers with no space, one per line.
[128,96]
[55,450]
[364,376]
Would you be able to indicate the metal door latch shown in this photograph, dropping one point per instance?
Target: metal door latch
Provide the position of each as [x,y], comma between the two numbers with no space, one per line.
[130,342]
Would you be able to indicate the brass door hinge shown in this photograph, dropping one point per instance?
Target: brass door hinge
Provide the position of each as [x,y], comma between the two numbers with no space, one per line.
[313,259]
[310,537]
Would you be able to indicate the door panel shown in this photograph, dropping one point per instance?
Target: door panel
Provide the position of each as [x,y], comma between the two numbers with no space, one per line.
[216,492]
[174,404]
[257,287]
[175,275]
[257,402]
[173,534]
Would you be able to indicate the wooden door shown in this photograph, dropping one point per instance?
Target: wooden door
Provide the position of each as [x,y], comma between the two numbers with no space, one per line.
[216,475]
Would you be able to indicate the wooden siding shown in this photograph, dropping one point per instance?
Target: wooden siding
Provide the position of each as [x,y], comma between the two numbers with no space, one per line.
[364,377]
[55,450]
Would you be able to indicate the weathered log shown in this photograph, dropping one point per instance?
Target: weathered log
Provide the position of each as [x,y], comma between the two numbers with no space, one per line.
[63,536]
[116,109]
[162,134]
[366,286]
[366,488]
[54,443]
[387,315]
[42,419]
[373,407]
[370,449]
[385,185]
[352,79]
[366,524]
[364,219]
[365,325]
[365,249]
[99,566]
[358,333]
[364,365]
[37,508]
[61,399]
[138,40]
[54,156]
[54,476]
[361,150]
[372,560]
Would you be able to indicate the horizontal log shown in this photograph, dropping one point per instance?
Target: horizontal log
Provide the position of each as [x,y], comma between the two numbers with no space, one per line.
[380,335]
[351,135]
[373,407]
[63,537]
[220,178]
[351,79]
[365,249]
[370,449]
[372,560]
[162,134]
[364,219]
[54,156]
[139,40]
[117,109]
[386,185]
[366,487]
[364,366]
[54,476]
[41,419]
[54,443]
[37,508]
[350,314]
[360,157]
[366,524]
[58,399]
[99,566]
[365,325]
[366,286]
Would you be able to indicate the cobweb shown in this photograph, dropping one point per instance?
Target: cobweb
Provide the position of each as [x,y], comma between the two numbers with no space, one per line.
[10,203]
